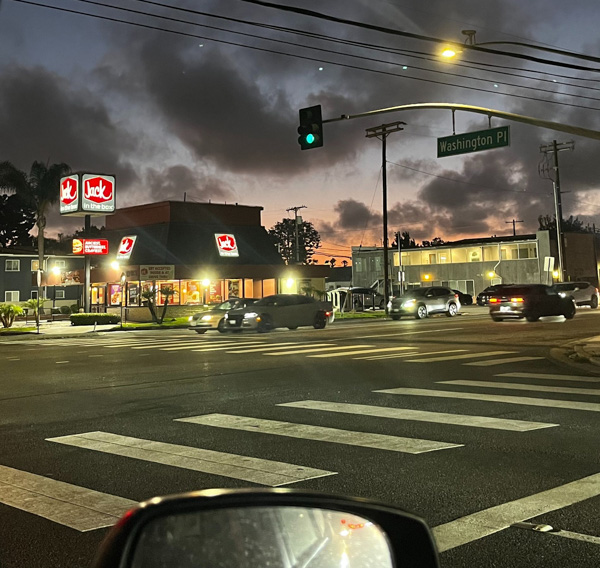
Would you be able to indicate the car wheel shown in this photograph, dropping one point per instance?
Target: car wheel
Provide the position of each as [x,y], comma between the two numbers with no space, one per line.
[264,325]
[221,327]
[200,331]
[292,327]
[532,317]
[452,310]
[569,312]
[421,312]
[320,321]
[396,318]
[496,318]
[594,302]
[382,305]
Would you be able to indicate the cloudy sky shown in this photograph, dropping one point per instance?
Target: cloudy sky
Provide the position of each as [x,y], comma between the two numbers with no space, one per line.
[204,101]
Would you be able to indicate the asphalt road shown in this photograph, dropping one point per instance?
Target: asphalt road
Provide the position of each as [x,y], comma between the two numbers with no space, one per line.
[460,420]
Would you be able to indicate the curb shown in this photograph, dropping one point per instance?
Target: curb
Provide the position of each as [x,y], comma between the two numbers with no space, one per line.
[574,355]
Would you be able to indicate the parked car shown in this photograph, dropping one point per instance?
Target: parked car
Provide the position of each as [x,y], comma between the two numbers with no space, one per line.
[484,296]
[281,310]
[422,302]
[529,301]
[363,298]
[584,293]
[464,298]
[215,317]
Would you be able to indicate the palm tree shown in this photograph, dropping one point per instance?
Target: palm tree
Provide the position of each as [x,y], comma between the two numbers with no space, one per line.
[40,189]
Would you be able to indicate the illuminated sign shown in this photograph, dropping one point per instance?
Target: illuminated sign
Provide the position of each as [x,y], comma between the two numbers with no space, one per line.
[90,246]
[98,195]
[126,247]
[156,272]
[69,194]
[226,244]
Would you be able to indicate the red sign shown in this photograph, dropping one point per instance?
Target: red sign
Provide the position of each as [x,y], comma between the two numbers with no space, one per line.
[226,244]
[98,189]
[90,246]
[69,194]
[126,247]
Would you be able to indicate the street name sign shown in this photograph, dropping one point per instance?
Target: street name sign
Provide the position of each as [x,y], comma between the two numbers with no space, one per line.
[473,141]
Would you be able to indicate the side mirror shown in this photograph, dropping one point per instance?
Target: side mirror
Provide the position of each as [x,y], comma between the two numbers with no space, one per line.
[280,528]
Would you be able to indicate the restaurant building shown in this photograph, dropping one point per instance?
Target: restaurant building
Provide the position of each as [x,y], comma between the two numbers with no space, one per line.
[204,253]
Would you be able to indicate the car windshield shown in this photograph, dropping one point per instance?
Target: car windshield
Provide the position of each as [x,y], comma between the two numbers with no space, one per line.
[162,162]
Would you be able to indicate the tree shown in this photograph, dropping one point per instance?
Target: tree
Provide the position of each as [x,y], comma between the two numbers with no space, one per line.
[435,242]
[150,296]
[570,225]
[332,262]
[405,241]
[35,304]
[38,190]
[283,235]
[8,313]
[16,220]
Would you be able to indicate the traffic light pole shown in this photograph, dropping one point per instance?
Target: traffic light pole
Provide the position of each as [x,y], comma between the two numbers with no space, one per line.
[382,132]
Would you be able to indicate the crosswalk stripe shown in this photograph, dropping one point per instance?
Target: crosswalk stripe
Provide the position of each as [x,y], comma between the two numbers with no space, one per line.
[361,351]
[320,433]
[398,355]
[519,386]
[278,347]
[456,357]
[248,349]
[441,330]
[157,346]
[70,505]
[491,362]
[551,377]
[254,470]
[527,401]
[221,344]
[420,415]
[314,348]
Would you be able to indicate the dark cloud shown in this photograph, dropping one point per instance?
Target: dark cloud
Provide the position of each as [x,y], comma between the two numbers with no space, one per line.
[353,214]
[173,182]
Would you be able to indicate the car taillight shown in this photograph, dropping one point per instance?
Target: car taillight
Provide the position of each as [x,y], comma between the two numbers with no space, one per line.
[494,300]
[456,296]
[516,300]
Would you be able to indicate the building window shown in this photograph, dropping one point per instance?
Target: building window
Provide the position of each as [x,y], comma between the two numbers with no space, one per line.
[509,252]
[357,264]
[11,296]
[474,254]
[528,250]
[34,295]
[490,253]
[12,265]
[59,295]
[60,263]
[35,264]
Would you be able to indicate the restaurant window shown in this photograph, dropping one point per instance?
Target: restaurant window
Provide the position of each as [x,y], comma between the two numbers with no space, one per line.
[114,293]
[234,288]
[133,294]
[268,287]
[248,288]
[98,294]
[168,285]
[191,292]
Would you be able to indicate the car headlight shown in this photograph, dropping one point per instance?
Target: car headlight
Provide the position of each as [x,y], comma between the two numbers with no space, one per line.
[250,315]
[206,318]
[562,294]
[409,303]
[191,318]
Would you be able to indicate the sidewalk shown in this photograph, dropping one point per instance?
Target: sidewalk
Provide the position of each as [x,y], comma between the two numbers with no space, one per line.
[61,328]
[582,353]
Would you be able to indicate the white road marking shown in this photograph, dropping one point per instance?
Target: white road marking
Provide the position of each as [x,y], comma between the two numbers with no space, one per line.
[59,362]
[518,386]
[319,433]
[393,355]
[278,347]
[491,362]
[590,406]
[457,357]
[421,415]
[14,358]
[441,330]
[495,519]
[253,470]
[361,351]
[577,536]
[95,355]
[314,349]
[388,356]
[220,344]
[551,377]
[70,505]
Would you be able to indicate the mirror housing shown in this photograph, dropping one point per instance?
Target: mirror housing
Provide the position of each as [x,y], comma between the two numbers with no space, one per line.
[407,538]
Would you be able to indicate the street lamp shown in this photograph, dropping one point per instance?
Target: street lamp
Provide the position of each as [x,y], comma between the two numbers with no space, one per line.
[122,281]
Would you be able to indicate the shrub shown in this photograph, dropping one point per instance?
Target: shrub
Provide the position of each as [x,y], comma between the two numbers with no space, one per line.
[74,308]
[8,313]
[91,319]
[65,310]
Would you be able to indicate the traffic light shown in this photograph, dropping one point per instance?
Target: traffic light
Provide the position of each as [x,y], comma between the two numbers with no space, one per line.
[311,128]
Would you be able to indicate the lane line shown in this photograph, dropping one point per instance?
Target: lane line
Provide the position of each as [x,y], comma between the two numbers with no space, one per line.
[491,362]
[69,505]
[60,362]
[518,386]
[361,351]
[441,330]
[420,415]
[320,433]
[254,470]
[411,354]
[495,519]
[315,350]
[526,401]
[551,377]
[457,357]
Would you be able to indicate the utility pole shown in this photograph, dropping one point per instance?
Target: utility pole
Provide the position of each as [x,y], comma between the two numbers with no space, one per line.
[297,221]
[514,222]
[382,132]
[552,173]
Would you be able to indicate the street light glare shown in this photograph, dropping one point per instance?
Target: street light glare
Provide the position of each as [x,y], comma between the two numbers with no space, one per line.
[448,53]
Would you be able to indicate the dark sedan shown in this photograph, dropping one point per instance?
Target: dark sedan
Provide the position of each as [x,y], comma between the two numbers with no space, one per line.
[529,301]
[484,296]
[464,298]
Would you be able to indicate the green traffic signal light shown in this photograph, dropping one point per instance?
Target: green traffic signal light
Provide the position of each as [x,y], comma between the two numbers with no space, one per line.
[311,128]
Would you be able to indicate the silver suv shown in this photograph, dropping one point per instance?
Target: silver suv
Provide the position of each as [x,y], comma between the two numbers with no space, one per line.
[421,302]
[584,293]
